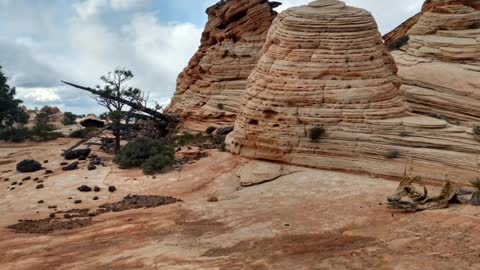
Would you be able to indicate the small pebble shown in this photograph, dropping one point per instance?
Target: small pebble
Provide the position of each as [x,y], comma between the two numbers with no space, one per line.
[77,201]
[41,201]
[95,198]
[40,186]
[112,188]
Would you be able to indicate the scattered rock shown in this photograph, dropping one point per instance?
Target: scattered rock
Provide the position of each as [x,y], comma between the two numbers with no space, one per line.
[40,181]
[63,163]
[28,165]
[91,122]
[52,215]
[96,161]
[224,131]
[77,201]
[48,225]
[40,202]
[45,161]
[48,172]
[40,186]
[95,198]
[12,188]
[75,154]
[112,188]
[82,158]
[36,178]
[138,201]
[13,183]
[26,178]
[52,206]
[91,167]
[71,167]
[21,183]
[96,189]
[84,188]
[212,199]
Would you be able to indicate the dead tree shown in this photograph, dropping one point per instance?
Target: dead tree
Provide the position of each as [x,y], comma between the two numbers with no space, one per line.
[115,95]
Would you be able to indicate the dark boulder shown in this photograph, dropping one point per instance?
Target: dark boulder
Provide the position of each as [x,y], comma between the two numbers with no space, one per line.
[84,188]
[96,189]
[29,165]
[75,154]
[71,167]
[91,167]
[224,131]
[112,188]
[89,122]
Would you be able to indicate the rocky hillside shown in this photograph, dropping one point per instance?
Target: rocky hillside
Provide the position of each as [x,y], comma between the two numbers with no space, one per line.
[209,88]
[325,94]
[439,64]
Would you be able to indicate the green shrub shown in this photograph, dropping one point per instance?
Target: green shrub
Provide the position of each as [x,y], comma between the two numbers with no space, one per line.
[210,130]
[190,139]
[139,151]
[69,118]
[476,183]
[156,163]
[13,134]
[39,134]
[83,133]
[316,133]
[392,154]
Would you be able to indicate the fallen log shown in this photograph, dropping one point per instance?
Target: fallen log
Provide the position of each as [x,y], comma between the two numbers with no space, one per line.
[166,118]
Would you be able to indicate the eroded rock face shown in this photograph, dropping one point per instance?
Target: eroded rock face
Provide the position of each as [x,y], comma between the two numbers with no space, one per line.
[440,64]
[210,87]
[325,66]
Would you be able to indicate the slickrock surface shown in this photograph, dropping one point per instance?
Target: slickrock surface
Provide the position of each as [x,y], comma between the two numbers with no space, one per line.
[440,64]
[209,88]
[305,219]
[324,65]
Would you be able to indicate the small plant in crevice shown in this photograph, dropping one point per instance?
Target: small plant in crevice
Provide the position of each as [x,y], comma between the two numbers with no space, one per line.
[476,132]
[476,195]
[392,154]
[210,130]
[316,133]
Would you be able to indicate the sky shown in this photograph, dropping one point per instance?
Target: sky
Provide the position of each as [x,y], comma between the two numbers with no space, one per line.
[45,41]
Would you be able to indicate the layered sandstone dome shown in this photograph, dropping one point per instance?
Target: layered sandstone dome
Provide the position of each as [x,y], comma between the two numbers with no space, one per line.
[440,64]
[325,65]
[210,87]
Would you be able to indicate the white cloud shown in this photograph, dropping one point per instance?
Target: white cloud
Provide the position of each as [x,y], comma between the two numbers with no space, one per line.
[37,94]
[388,14]
[91,8]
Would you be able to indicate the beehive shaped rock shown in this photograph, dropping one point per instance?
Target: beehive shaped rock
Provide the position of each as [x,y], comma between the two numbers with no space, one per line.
[209,88]
[440,64]
[325,65]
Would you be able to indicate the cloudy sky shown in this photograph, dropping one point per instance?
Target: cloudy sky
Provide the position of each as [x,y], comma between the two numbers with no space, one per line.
[45,41]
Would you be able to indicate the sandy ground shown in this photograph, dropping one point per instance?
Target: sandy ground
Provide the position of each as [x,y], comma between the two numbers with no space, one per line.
[306,219]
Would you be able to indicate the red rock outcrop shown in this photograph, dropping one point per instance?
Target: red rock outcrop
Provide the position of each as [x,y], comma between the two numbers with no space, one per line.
[325,67]
[210,87]
[440,64]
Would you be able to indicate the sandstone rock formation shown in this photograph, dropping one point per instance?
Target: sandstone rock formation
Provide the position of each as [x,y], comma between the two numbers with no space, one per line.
[325,66]
[210,87]
[440,64]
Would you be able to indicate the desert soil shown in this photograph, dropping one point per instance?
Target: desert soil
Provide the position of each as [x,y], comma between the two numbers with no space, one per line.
[303,219]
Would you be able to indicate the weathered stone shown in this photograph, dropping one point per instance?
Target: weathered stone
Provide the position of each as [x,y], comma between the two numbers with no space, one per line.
[71,167]
[210,87]
[440,64]
[325,65]
[28,165]
[79,153]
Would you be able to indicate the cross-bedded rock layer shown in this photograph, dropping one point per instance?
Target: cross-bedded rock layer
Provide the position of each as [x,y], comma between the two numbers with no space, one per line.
[210,87]
[440,64]
[325,66]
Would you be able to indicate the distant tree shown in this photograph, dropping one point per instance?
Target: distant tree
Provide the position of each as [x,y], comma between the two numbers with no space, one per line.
[115,85]
[44,118]
[10,110]
[69,118]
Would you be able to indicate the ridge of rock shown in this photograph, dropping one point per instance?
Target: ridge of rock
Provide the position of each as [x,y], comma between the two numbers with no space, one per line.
[329,69]
[210,87]
[440,63]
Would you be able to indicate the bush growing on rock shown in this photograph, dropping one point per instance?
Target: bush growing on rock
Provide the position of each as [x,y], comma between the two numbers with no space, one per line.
[476,195]
[316,133]
[14,134]
[147,153]
[69,118]
[83,133]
